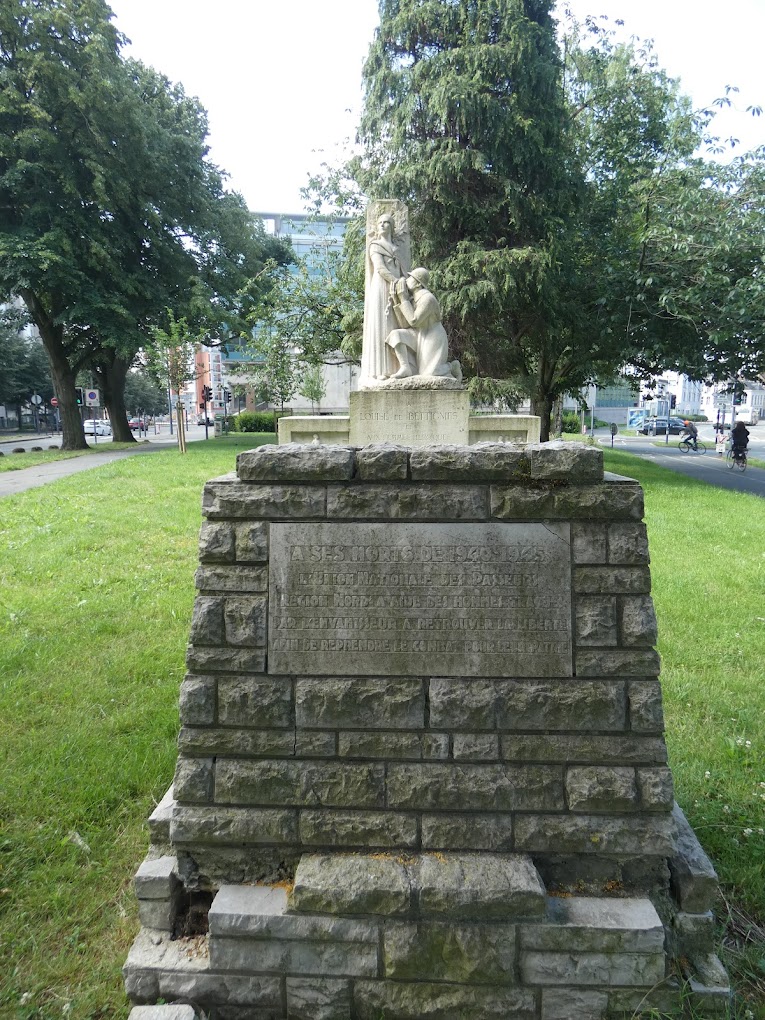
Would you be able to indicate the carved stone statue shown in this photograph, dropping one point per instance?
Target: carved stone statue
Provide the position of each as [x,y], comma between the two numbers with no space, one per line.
[422,348]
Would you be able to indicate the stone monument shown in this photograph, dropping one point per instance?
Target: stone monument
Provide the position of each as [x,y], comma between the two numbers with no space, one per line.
[422,769]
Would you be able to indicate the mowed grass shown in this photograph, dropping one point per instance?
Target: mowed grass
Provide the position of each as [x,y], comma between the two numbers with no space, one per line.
[11,461]
[95,605]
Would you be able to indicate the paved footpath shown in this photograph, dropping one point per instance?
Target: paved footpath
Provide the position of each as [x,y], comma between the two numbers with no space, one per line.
[12,482]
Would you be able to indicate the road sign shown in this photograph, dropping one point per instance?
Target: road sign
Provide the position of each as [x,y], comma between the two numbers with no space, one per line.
[92,398]
[54,401]
[36,398]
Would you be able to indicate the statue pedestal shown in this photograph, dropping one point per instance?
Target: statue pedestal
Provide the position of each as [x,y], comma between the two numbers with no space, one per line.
[412,417]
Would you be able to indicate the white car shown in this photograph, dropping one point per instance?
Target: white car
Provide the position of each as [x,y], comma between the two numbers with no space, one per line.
[97,427]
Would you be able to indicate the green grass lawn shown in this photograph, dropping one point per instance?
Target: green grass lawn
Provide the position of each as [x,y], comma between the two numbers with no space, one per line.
[95,606]
[18,461]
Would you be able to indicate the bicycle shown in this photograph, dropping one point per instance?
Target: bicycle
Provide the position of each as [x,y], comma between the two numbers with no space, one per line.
[736,458]
[686,446]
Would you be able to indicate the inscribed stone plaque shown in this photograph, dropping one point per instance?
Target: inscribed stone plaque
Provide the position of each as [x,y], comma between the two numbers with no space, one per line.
[398,599]
[411,417]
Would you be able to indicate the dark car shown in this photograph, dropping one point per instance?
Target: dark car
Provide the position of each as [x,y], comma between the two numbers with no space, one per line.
[658,426]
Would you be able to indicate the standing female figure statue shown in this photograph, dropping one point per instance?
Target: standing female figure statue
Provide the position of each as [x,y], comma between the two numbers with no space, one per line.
[387,260]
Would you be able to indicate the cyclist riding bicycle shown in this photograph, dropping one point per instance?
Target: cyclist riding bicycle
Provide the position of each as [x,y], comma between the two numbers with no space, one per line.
[693,434]
[739,439]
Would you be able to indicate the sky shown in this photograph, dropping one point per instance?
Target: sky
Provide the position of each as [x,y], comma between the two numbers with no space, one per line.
[281,79]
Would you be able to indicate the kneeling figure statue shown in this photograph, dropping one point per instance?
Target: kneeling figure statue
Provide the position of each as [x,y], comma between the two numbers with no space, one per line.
[422,348]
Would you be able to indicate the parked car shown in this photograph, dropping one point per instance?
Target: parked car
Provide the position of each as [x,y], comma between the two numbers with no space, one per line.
[97,427]
[658,426]
[137,423]
[201,419]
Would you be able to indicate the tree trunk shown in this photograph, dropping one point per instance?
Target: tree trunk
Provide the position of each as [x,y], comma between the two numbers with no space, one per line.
[112,372]
[64,376]
[542,404]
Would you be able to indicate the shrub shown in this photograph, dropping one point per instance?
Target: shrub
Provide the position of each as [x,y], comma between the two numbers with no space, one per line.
[570,422]
[254,421]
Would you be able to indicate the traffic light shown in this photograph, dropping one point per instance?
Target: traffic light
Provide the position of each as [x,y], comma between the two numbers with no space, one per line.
[226,396]
[673,401]
[201,405]
[80,396]
[738,398]
[207,392]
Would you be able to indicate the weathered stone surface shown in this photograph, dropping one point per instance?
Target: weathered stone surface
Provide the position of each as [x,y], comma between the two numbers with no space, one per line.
[638,621]
[255,701]
[162,1013]
[714,1000]
[420,416]
[469,954]
[467,832]
[315,744]
[224,989]
[566,1003]
[193,782]
[572,462]
[482,462]
[318,999]
[620,750]
[216,740]
[667,998]
[197,700]
[656,789]
[596,620]
[345,829]
[158,914]
[617,662]
[207,621]
[424,1001]
[593,834]
[302,784]
[159,819]
[233,826]
[588,543]
[203,659]
[694,880]
[645,706]
[476,747]
[612,580]
[227,498]
[585,924]
[379,744]
[216,543]
[627,543]
[294,462]
[330,959]
[435,746]
[437,787]
[246,621]
[251,542]
[574,502]
[385,703]
[156,878]
[601,789]
[350,884]
[382,462]
[231,579]
[463,703]
[562,704]
[577,969]
[481,886]
[412,502]
[693,935]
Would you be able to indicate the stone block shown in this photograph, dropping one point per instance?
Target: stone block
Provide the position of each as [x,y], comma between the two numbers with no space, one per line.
[617,662]
[415,416]
[561,461]
[379,744]
[584,924]
[646,714]
[368,703]
[597,969]
[216,543]
[483,887]
[299,784]
[215,825]
[327,959]
[345,829]
[596,620]
[382,462]
[575,502]
[588,543]
[627,543]
[612,580]
[469,704]
[712,1001]
[156,878]
[158,914]
[207,621]
[594,834]
[601,789]
[467,832]
[163,1013]
[518,502]
[435,746]
[667,1000]
[315,744]
[431,1001]
[439,787]
[503,428]
[197,700]
[251,542]
[202,659]
[483,462]
[217,740]
[656,789]
[565,1003]
[233,579]
[351,884]
[314,428]
[463,954]
[226,498]
[560,704]
[159,819]
[260,994]
[255,701]
[637,621]
[568,749]
[246,621]
[260,911]
[194,778]
[694,880]
[413,502]
[693,935]
[318,999]
[295,462]
[476,747]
